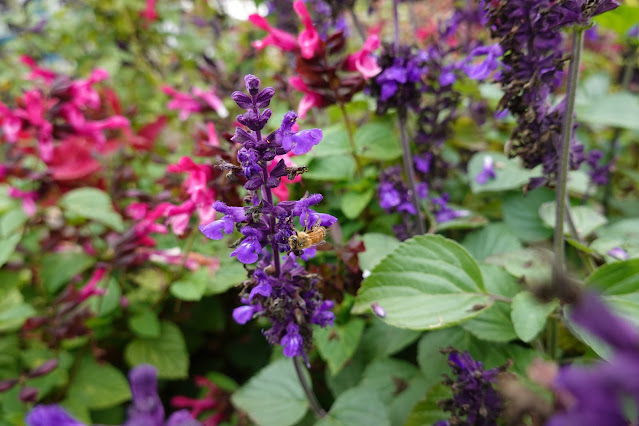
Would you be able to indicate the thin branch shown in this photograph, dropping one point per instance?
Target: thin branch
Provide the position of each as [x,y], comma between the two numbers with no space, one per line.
[312,399]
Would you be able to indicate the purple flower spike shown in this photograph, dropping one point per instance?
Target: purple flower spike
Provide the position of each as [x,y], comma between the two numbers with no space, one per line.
[488,172]
[50,415]
[618,253]
[146,401]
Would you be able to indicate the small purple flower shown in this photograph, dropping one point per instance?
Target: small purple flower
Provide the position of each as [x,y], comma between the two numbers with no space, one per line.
[618,253]
[388,196]
[634,31]
[243,314]
[146,401]
[323,315]
[248,250]
[50,415]
[482,70]
[423,162]
[292,341]
[443,212]
[182,418]
[487,172]
[379,311]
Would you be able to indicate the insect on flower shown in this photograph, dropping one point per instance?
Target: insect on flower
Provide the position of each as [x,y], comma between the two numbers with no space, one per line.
[309,238]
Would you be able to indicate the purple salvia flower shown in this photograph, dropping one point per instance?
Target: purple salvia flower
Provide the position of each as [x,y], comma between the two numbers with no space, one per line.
[474,401]
[278,288]
[146,405]
[50,415]
[618,253]
[482,70]
[443,212]
[487,172]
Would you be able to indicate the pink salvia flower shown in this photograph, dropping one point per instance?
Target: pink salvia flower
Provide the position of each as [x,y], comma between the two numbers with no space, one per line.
[28,200]
[309,39]
[36,72]
[212,100]
[149,12]
[82,92]
[309,100]
[275,37]
[364,61]
[91,289]
[11,124]
[201,196]
[210,129]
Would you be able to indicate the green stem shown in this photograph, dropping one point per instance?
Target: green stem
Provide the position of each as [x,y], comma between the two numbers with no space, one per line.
[566,136]
[312,399]
[351,137]
[410,171]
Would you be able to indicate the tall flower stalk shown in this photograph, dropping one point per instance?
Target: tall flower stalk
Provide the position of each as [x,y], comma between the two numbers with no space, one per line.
[563,166]
[278,286]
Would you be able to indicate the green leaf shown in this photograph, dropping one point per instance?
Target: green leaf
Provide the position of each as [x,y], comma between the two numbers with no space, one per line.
[427,282]
[521,214]
[98,386]
[532,265]
[529,316]
[91,203]
[354,202]
[145,324]
[57,269]
[331,168]
[509,174]
[620,19]
[426,411]
[110,300]
[492,239]
[618,283]
[586,219]
[377,247]
[166,352]
[619,109]
[273,397]
[334,142]
[12,221]
[14,311]
[360,406]
[193,286]
[227,276]
[494,324]
[381,340]
[377,141]
[626,229]
[8,246]
[337,344]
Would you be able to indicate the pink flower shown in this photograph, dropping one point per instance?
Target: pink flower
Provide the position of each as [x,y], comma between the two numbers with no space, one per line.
[28,200]
[71,159]
[200,195]
[188,103]
[275,37]
[11,124]
[213,140]
[82,92]
[310,98]
[309,39]
[149,12]
[36,72]
[282,192]
[364,61]
[91,289]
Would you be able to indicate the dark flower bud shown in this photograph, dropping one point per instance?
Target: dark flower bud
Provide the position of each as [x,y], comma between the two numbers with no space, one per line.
[272,182]
[264,117]
[254,183]
[279,170]
[7,384]
[28,394]
[44,368]
[252,84]
[242,100]
[264,98]
[241,136]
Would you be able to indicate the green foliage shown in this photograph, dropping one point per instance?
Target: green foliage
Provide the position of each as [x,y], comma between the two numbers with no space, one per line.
[427,282]
[274,396]
[167,352]
[91,203]
[338,343]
